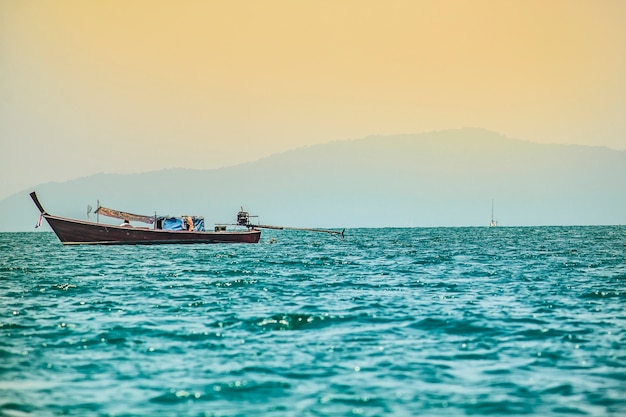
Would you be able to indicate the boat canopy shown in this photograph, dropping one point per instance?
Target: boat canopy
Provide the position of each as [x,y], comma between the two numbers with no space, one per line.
[125,216]
[195,223]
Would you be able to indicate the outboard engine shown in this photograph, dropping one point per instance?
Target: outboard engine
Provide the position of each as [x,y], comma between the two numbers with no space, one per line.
[243,218]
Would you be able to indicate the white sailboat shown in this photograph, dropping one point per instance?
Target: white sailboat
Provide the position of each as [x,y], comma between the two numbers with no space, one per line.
[494,222]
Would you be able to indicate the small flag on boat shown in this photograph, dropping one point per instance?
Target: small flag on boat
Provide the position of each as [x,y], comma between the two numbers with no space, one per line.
[38,225]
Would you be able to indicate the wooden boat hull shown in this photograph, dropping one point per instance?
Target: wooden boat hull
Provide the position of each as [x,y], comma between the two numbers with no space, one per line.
[77,232]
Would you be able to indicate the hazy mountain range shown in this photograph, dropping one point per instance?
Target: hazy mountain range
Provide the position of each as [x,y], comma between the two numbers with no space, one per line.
[446,178]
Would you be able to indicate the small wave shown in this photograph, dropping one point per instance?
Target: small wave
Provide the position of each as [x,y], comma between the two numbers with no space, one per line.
[564,389]
[174,396]
[569,410]
[454,327]
[15,326]
[573,338]
[602,294]
[542,334]
[297,321]
[358,403]
[12,409]
[115,336]
[618,376]
[251,391]
[64,287]
[491,356]
[235,283]
[5,353]
[503,407]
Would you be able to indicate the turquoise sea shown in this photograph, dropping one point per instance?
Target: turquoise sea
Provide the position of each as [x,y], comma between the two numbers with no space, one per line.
[387,322]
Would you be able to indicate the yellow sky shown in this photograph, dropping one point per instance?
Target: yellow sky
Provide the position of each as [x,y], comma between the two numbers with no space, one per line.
[125,86]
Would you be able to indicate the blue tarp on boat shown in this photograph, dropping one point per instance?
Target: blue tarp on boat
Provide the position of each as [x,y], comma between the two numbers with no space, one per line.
[181,223]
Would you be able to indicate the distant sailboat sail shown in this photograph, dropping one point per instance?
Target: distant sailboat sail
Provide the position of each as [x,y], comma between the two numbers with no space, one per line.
[493,222]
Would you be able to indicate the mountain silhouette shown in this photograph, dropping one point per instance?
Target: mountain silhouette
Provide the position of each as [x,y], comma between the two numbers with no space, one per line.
[445,178]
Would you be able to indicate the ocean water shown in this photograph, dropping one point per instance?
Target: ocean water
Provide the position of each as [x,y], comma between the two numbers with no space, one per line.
[387,322]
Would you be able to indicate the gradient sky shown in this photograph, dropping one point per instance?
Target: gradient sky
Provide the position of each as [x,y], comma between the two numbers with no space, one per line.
[130,86]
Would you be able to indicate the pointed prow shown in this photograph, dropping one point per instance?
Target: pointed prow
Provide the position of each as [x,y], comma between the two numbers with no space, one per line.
[33,195]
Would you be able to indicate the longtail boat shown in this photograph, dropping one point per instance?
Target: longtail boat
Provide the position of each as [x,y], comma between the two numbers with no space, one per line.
[165,229]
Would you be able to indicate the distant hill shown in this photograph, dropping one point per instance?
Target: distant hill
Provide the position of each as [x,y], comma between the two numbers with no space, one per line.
[446,178]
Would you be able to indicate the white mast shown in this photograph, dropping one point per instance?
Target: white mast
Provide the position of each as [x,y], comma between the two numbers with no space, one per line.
[493,222]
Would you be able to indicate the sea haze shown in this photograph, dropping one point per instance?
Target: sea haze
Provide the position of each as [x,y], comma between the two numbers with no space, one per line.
[446,178]
[403,322]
